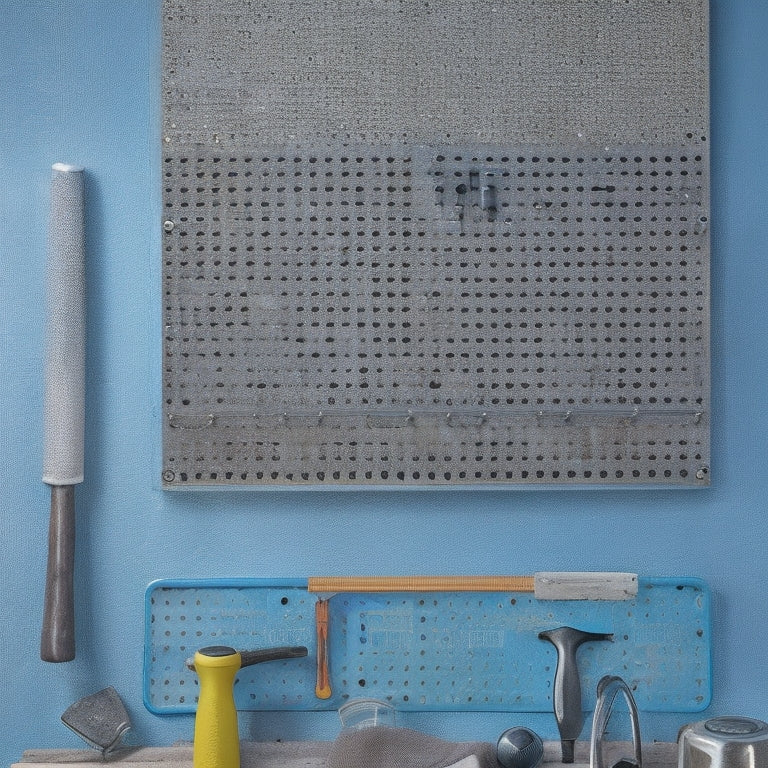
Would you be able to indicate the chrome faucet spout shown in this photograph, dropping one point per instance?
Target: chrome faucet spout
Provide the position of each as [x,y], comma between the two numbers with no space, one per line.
[607,689]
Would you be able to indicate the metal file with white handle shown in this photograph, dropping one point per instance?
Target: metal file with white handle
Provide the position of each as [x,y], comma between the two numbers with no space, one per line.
[64,409]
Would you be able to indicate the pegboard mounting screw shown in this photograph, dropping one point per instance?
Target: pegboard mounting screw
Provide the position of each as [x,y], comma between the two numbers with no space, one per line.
[169,476]
[168,226]
[702,473]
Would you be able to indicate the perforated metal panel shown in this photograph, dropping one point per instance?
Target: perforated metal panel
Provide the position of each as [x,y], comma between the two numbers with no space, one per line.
[430,311]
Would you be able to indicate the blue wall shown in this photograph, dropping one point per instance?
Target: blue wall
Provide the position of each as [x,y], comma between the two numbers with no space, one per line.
[79,83]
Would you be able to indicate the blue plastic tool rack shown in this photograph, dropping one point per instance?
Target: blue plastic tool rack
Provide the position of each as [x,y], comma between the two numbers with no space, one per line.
[446,651]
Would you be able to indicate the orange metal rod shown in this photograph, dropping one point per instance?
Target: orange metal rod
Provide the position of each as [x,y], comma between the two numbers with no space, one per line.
[323,683]
[332,584]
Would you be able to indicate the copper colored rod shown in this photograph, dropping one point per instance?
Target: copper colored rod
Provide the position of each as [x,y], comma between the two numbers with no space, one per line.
[332,584]
[323,684]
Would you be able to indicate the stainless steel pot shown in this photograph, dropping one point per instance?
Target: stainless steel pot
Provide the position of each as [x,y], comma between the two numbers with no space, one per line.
[724,742]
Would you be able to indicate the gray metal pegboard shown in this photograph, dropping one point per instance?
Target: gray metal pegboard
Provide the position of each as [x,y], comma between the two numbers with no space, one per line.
[442,245]
[600,72]
[437,315]
[466,651]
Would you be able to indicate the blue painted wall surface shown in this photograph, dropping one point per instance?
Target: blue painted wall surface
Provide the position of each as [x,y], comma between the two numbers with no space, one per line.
[79,83]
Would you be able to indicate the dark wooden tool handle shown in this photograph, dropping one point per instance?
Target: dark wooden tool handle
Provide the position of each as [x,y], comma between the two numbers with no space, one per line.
[57,642]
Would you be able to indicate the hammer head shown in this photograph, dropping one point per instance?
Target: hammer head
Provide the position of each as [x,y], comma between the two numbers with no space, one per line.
[569,637]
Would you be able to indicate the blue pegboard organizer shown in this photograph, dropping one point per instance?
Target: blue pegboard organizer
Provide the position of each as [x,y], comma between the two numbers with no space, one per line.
[437,651]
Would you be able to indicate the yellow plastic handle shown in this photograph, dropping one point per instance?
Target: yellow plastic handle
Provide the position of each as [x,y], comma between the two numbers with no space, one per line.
[217,743]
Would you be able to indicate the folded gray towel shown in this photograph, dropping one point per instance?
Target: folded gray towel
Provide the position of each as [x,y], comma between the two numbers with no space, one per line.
[383,747]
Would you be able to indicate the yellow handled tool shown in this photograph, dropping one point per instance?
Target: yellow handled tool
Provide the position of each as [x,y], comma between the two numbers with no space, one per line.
[217,742]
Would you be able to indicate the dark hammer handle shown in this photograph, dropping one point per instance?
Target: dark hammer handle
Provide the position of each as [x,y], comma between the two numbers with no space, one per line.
[57,642]
[567,690]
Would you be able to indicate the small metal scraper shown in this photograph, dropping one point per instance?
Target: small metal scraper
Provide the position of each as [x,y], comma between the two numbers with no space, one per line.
[100,719]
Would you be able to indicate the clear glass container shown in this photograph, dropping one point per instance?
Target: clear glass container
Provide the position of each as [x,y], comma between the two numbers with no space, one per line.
[366,713]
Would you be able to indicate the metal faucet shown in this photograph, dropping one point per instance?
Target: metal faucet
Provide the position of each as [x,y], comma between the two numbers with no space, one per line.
[607,690]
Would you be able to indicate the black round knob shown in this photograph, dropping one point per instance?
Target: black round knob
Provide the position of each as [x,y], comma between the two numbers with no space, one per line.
[519,748]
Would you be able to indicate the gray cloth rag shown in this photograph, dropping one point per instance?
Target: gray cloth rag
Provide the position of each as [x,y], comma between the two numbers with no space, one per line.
[384,747]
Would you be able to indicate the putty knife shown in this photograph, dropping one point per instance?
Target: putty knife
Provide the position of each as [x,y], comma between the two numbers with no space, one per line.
[100,719]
